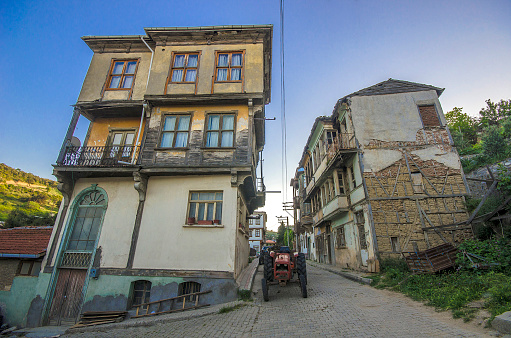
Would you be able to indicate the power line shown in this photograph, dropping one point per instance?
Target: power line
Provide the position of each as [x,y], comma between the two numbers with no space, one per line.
[283,105]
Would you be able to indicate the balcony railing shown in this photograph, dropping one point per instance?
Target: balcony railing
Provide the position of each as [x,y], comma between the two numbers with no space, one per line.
[112,156]
[343,141]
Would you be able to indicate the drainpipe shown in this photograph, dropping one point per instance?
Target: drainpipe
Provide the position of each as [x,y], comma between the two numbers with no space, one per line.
[145,106]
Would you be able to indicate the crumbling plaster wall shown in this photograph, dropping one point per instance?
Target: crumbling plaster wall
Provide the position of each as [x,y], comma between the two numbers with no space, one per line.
[395,145]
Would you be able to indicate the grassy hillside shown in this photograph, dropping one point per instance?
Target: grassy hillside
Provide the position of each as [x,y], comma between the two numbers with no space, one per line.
[33,197]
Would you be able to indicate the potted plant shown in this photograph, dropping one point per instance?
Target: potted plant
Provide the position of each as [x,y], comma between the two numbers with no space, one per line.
[191,220]
[216,221]
[205,222]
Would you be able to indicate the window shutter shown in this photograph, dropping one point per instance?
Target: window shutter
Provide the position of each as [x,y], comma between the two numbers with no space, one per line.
[429,116]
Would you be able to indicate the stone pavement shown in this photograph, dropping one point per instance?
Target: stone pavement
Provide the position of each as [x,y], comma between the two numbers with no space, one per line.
[336,307]
[246,277]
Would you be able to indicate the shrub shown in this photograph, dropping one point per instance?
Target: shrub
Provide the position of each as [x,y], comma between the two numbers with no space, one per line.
[493,250]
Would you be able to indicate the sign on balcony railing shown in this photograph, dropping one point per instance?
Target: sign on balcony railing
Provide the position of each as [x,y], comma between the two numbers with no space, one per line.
[113,156]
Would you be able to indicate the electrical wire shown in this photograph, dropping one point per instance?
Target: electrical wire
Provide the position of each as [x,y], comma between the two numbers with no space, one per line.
[283,105]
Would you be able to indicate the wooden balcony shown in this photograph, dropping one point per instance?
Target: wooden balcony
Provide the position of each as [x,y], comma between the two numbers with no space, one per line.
[343,141]
[112,156]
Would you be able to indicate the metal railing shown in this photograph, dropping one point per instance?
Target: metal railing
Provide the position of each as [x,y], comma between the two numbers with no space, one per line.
[100,156]
[260,184]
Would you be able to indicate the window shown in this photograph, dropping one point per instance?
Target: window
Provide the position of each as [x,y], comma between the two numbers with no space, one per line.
[340,178]
[121,144]
[394,244]
[340,237]
[122,74]
[205,208]
[352,176]
[29,268]
[256,248]
[175,131]
[258,233]
[360,220]
[429,116]
[229,67]
[417,186]
[220,131]
[258,221]
[250,233]
[184,67]
[141,292]
[186,288]
[87,222]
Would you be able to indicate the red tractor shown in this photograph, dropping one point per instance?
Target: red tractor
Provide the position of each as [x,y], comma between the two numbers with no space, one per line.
[282,267]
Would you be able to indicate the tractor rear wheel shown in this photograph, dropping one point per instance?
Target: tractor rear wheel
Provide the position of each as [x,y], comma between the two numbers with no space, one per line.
[264,286]
[301,266]
[268,267]
[303,286]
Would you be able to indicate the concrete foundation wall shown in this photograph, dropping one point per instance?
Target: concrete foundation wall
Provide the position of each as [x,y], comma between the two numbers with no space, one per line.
[167,242]
[112,293]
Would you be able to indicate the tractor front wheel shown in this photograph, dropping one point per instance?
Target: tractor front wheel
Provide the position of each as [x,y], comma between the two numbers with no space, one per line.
[303,286]
[301,266]
[268,267]
[264,286]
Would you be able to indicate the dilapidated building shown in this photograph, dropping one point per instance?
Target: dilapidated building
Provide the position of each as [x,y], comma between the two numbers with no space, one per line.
[156,198]
[381,177]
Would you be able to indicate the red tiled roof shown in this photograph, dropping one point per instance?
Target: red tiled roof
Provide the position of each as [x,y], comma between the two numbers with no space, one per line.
[25,240]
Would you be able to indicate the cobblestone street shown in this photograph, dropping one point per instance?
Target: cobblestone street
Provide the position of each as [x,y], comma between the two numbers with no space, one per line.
[336,307]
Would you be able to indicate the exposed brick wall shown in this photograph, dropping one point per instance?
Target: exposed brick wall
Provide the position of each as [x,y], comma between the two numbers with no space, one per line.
[401,217]
[8,268]
[429,116]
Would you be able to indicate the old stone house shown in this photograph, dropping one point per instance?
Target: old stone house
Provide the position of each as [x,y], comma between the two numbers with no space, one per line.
[21,254]
[380,177]
[257,230]
[157,195]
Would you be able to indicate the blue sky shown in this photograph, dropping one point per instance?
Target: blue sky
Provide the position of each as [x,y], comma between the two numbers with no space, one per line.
[332,48]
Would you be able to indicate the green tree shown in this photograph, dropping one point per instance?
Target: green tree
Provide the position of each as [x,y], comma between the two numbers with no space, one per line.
[281,233]
[494,144]
[463,128]
[494,112]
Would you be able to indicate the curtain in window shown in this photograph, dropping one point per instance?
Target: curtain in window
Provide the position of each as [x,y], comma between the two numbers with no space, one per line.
[236,74]
[221,75]
[193,60]
[179,61]
[212,139]
[182,137]
[115,82]
[118,66]
[214,122]
[128,80]
[130,68]
[227,139]
[177,75]
[223,60]
[236,60]
[228,122]
[190,75]
[166,140]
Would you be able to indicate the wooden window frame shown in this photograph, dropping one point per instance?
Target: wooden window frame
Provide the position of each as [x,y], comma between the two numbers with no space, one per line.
[394,244]
[175,131]
[220,130]
[30,269]
[184,68]
[352,178]
[185,288]
[146,292]
[340,237]
[229,67]
[257,233]
[123,74]
[198,202]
